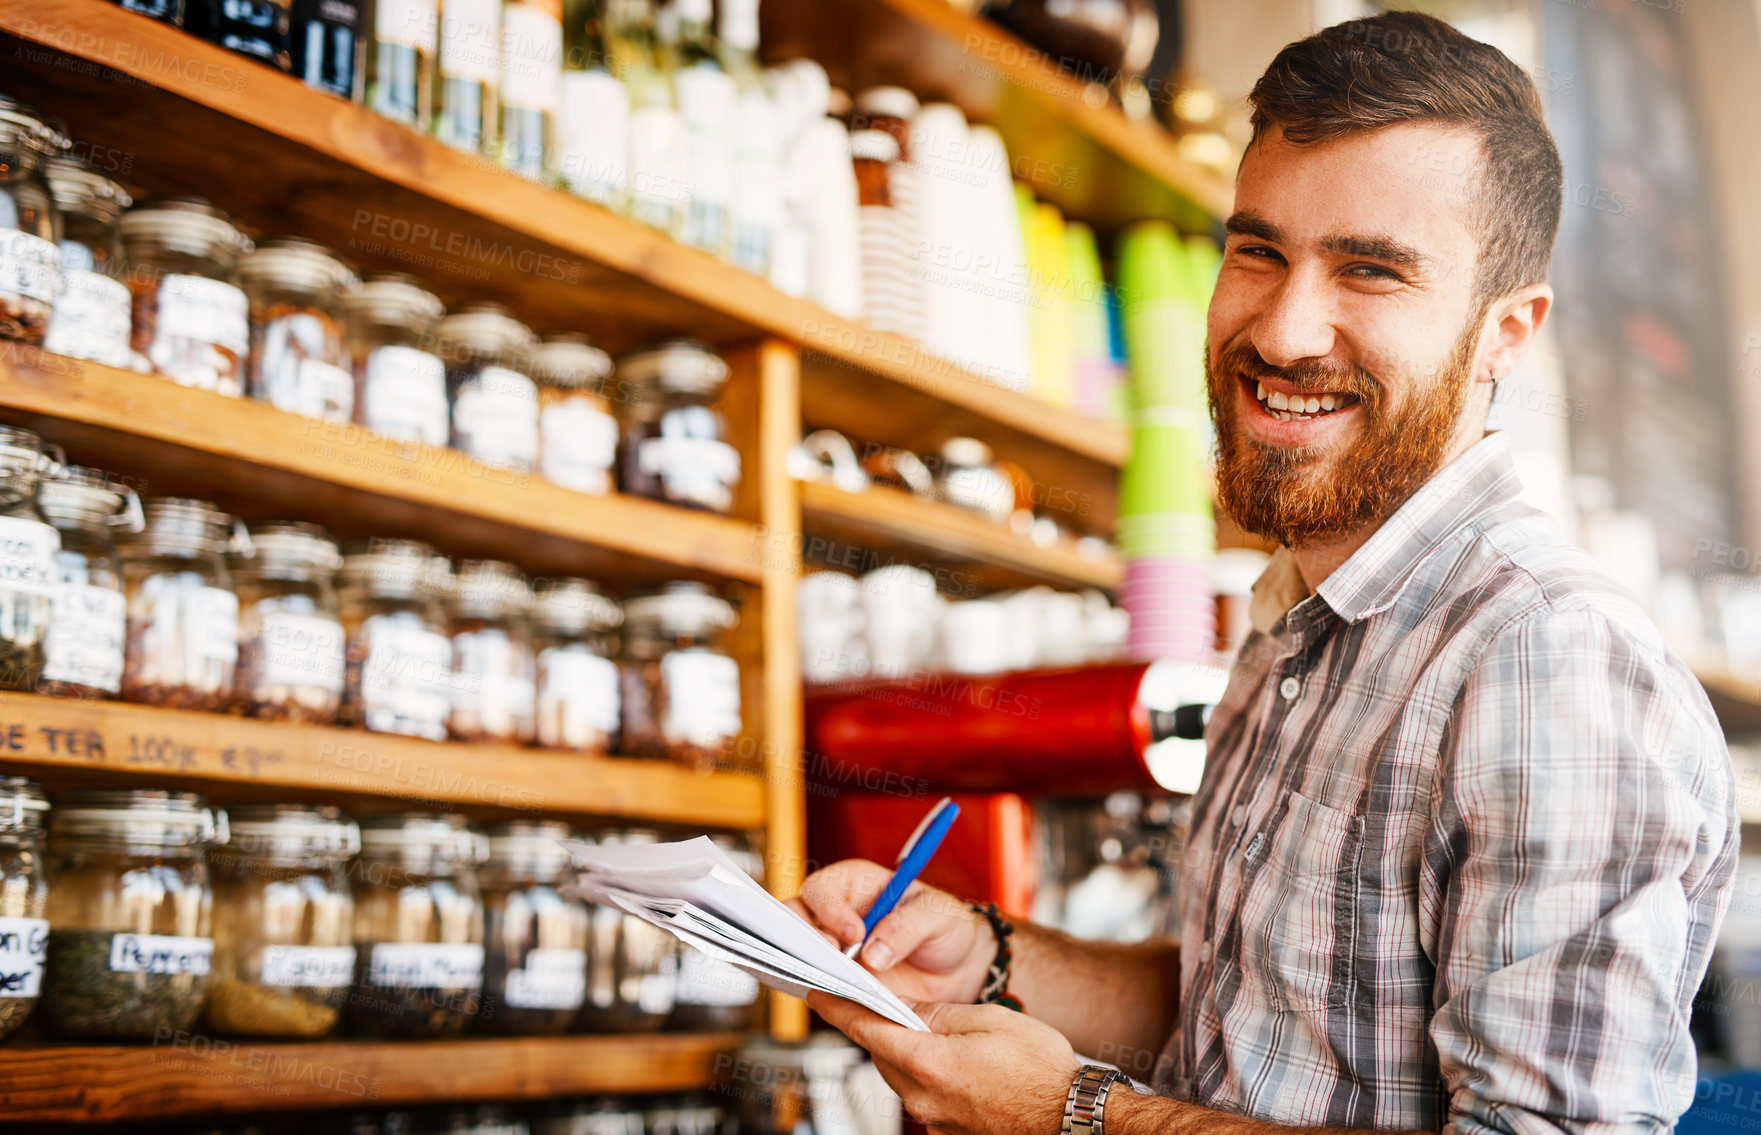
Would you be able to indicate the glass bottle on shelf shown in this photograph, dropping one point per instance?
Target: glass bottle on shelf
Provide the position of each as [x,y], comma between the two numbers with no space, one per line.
[92,309]
[535,937]
[593,127]
[298,360]
[657,185]
[290,659]
[681,688]
[706,97]
[466,75]
[28,546]
[531,84]
[632,966]
[24,899]
[88,622]
[400,60]
[400,383]
[578,434]
[578,700]
[399,672]
[189,319]
[494,403]
[757,211]
[30,224]
[493,671]
[182,609]
[329,42]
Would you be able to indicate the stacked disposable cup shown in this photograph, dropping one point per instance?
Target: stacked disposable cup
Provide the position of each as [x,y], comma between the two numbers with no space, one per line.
[1098,377]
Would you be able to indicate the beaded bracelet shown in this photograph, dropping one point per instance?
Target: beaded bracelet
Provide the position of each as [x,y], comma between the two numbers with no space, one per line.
[996,979]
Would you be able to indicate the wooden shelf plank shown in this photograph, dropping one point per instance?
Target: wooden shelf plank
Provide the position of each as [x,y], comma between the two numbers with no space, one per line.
[907,528]
[263,461]
[65,740]
[195,1075]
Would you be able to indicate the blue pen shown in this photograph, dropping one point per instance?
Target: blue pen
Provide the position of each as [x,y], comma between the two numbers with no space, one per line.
[913,858]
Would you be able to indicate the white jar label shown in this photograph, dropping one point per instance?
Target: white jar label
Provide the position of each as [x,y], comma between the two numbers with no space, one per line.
[491,677]
[301,649]
[705,981]
[593,134]
[324,391]
[24,944]
[707,100]
[87,627]
[578,696]
[29,266]
[426,965]
[315,967]
[703,696]
[162,954]
[213,626]
[692,469]
[208,311]
[496,418]
[405,680]
[579,445]
[408,22]
[531,57]
[27,556]
[658,992]
[91,319]
[549,979]
[470,39]
[404,396]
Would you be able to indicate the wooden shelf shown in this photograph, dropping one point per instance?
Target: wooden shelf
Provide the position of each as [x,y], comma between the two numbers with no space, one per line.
[66,741]
[1065,139]
[901,527]
[263,462]
[61,1083]
[1736,699]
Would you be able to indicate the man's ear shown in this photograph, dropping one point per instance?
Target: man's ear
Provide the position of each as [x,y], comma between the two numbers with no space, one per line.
[1510,329]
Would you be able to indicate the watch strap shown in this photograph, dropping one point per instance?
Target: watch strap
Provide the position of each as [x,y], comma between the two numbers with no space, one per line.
[1086,1106]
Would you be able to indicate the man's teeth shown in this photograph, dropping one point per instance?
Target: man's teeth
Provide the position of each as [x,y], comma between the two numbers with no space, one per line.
[1298,407]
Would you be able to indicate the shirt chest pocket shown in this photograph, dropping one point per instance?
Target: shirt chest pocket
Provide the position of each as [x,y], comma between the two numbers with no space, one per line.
[1298,918]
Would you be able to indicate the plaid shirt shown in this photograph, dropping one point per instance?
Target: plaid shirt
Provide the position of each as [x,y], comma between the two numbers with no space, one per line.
[1465,836]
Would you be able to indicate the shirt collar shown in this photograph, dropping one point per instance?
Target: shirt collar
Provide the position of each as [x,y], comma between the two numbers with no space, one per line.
[1371,579]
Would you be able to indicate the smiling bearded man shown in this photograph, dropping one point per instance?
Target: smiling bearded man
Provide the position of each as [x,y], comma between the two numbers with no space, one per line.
[1466,828]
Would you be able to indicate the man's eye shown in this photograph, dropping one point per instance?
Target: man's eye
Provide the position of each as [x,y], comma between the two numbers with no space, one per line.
[1259,250]
[1370,272]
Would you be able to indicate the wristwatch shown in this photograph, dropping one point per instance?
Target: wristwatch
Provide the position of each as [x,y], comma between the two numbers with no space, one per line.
[1086,1106]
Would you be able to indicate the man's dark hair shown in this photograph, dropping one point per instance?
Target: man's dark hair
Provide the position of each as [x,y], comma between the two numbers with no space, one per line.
[1409,67]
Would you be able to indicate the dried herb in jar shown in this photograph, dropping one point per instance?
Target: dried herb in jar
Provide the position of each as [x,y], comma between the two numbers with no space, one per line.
[84,998]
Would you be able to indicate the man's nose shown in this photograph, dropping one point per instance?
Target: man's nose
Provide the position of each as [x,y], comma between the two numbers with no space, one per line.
[1295,324]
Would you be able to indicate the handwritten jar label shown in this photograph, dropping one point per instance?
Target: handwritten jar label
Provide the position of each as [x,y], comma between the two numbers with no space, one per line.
[163,954]
[24,943]
[550,979]
[426,965]
[314,967]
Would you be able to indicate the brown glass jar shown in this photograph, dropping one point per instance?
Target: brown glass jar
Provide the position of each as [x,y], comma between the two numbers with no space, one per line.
[492,667]
[298,360]
[578,700]
[674,444]
[535,937]
[681,689]
[578,434]
[190,320]
[30,224]
[290,658]
[182,609]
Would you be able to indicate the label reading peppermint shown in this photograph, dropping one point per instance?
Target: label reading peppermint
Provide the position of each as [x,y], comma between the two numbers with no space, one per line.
[87,626]
[550,979]
[404,396]
[24,944]
[425,965]
[91,319]
[27,556]
[316,967]
[161,954]
[29,266]
[579,445]
[300,649]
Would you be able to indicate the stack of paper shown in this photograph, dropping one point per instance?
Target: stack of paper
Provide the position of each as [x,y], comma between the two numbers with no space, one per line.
[700,896]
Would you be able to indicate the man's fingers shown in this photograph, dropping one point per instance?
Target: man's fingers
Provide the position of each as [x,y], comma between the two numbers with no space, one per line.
[945,1018]
[869,1030]
[914,921]
[838,895]
[800,908]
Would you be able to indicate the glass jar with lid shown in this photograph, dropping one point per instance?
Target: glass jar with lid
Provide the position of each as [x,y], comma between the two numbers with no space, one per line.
[283,921]
[24,899]
[689,1113]
[493,680]
[418,926]
[400,383]
[189,318]
[92,309]
[129,912]
[578,432]
[713,995]
[799,1087]
[399,673]
[632,966]
[30,224]
[298,360]
[608,1115]
[182,609]
[578,699]
[88,623]
[681,689]
[290,637]
[488,357]
[535,937]
[28,545]
[674,445]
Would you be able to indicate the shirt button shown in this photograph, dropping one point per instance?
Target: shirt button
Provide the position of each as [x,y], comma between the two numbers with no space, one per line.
[1204,952]
[1290,687]
[1238,816]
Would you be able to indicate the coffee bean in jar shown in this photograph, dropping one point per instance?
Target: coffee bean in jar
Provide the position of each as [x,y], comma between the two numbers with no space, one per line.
[418,926]
[298,360]
[182,609]
[578,697]
[290,656]
[399,674]
[91,318]
[24,899]
[88,623]
[674,445]
[189,320]
[400,383]
[129,911]
[578,433]
[28,546]
[30,224]
[493,670]
[488,357]
[681,689]
[535,937]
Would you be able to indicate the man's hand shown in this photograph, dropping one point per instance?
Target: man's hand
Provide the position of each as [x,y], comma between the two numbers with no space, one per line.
[982,1070]
[932,947]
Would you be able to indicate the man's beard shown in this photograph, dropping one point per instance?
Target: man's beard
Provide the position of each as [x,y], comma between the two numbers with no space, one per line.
[1295,496]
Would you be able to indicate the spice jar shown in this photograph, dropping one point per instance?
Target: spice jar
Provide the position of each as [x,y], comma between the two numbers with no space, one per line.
[494,404]
[30,224]
[283,921]
[713,995]
[290,656]
[24,899]
[182,609]
[27,559]
[400,384]
[189,320]
[493,676]
[578,435]
[298,361]
[399,673]
[632,966]
[418,926]
[578,699]
[535,937]
[92,309]
[88,622]
[674,445]
[129,906]
[681,689]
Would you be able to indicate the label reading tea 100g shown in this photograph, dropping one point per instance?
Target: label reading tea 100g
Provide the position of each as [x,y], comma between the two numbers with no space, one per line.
[24,943]
[163,954]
